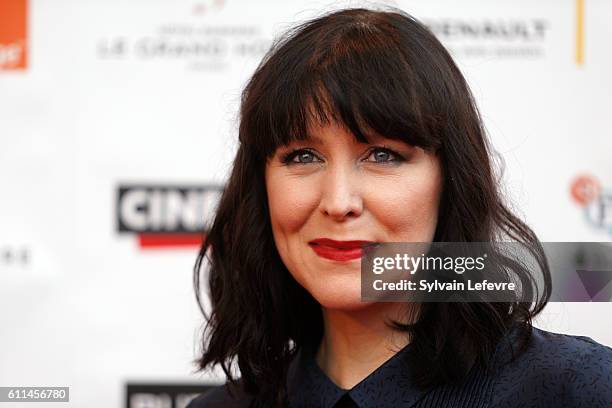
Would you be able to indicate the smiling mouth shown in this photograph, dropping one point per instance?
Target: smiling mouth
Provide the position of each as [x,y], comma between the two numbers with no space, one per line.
[342,251]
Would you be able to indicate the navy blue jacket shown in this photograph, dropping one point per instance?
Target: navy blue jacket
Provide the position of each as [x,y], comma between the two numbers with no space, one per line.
[556,370]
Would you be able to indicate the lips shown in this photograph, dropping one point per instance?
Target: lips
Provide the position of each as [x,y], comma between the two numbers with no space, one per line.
[340,250]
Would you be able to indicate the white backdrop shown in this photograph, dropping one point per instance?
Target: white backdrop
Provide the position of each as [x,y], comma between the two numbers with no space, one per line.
[146,91]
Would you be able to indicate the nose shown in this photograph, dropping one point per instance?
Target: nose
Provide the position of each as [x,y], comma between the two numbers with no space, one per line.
[341,194]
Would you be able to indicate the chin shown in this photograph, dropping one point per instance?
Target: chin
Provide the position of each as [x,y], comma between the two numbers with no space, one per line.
[338,299]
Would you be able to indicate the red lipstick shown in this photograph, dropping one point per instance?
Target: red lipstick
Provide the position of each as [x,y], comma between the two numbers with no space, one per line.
[339,250]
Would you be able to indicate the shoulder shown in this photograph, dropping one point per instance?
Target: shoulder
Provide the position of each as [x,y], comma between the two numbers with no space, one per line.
[586,366]
[564,346]
[555,367]
[570,352]
[223,397]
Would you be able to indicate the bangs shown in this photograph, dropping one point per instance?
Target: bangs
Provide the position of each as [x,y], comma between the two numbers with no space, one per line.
[357,75]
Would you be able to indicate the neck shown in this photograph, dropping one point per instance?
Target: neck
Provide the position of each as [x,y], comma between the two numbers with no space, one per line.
[355,343]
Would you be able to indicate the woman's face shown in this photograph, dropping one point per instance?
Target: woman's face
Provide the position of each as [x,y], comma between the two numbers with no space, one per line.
[335,188]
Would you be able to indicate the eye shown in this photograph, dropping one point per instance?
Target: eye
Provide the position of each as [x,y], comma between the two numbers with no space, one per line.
[384,155]
[300,156]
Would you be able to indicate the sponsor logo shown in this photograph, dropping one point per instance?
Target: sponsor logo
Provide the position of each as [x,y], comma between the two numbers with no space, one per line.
[499,37]
[503,37]
[508,30]
[166,215]
[195,41]
[162,395]
[596,202]
[13,35]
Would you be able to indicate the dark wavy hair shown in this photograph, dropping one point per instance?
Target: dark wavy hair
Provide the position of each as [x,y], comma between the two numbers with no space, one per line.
[371,71]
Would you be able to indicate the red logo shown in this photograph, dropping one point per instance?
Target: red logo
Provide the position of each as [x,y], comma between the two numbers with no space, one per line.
[585,189]
[166,216]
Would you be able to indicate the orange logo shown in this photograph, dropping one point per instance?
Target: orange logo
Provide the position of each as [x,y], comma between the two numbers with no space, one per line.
[13,35]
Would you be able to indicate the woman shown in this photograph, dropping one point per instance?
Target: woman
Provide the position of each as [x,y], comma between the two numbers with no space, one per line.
[358,128]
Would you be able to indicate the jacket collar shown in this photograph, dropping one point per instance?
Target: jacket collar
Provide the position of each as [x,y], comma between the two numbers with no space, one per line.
[391,384]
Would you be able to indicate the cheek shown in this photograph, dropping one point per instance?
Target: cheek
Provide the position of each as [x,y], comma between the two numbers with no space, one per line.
[291,202]
[409,213]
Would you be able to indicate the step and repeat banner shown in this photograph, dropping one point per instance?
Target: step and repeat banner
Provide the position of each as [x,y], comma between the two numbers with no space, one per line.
[118,125]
